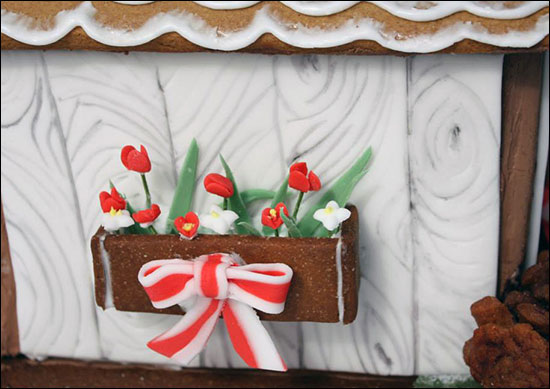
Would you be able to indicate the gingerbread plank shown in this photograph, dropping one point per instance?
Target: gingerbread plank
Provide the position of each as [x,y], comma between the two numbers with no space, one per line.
[56,313]
[521,92]
[54,373]
[454,143]
[10,332]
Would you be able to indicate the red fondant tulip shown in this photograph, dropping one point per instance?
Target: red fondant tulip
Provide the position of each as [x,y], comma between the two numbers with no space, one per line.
[314,182]
[137,161]
[298,181]
[111,201]
[299,178]
[187,226]
[300,167]
[271,217]
[147,216]
[219,185]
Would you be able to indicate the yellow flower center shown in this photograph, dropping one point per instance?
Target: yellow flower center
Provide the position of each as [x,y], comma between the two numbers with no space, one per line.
[114,212]
[188,226]
[273,213]
[215,214]
[329,210]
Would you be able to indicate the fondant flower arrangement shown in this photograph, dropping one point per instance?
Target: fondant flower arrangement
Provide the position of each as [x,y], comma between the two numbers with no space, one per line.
[323,219]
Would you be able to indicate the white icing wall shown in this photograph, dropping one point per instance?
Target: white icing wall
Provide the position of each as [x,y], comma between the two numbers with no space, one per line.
[429,205]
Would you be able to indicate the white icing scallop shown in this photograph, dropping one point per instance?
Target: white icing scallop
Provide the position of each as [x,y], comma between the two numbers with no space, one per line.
[225,5]
[195,29]
[134,2]
[319,8]
[412,10]
[441,9]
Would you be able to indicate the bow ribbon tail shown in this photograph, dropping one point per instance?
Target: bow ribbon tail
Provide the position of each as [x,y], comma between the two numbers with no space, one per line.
[249,337]
[189,336]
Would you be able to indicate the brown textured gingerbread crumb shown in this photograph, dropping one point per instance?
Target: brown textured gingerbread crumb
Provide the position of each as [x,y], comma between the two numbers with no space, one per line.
[503,353]
[515,357]
[534,315]
[491,310]
[543,256]
[516,297]
[536,274]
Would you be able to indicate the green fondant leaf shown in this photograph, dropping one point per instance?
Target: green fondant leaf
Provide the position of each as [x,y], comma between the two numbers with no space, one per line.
[206,231]
[251,195]
[183,197]
[236,203]
[322,233]
[293,229]
[340,192]
[250,228]
[280,196]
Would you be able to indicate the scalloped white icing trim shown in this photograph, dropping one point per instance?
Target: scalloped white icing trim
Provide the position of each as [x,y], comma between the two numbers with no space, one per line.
[403,9]
[226,5]
[133,2]
[196,30]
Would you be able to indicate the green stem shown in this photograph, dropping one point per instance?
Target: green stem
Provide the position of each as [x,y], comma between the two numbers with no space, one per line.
[276,232]
[225,203]
[147,193]
[298,202]
[153,230]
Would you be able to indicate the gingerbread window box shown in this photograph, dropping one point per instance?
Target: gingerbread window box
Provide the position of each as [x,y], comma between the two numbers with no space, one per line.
[299,266]
[323,289]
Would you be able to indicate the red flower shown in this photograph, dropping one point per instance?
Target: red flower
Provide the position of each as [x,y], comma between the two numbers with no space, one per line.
[219,185]
[271,217]
[147,216]
[188,225]
[111,201]
[299,178]
[314,182]
[137,161]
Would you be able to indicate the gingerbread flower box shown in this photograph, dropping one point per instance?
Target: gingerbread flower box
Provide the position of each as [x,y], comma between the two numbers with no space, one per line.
[323,289]
[299,267]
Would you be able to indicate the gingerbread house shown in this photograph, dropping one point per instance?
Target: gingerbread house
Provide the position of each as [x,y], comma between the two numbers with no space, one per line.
[451,97]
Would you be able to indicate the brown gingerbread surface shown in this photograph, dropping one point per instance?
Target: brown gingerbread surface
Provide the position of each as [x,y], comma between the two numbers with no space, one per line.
[313,294]
[119,16]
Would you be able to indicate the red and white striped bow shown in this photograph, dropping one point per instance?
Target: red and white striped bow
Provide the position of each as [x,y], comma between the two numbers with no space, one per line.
[219,286]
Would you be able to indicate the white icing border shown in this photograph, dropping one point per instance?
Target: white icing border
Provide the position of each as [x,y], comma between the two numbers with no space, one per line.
[106,261]
[226,5]
[194,29]
[133,2]
[340,281]
[402,9]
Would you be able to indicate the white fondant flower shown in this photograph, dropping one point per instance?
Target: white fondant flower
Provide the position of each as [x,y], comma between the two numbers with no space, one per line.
[218,220]
[332,215]
[115,220]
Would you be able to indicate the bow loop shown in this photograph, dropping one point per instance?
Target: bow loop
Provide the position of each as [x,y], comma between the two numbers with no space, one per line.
[167,282]
[263,286]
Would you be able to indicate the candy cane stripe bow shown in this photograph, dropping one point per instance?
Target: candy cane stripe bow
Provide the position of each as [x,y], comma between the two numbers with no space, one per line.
[219,286]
